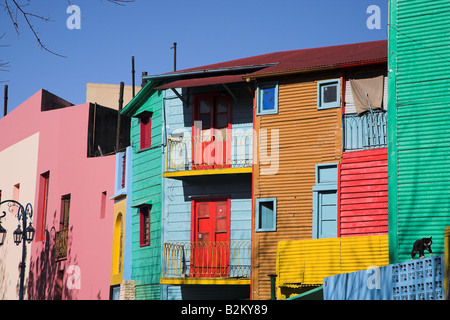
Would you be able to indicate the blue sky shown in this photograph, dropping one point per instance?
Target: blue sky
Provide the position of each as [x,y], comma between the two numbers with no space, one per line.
[206,31]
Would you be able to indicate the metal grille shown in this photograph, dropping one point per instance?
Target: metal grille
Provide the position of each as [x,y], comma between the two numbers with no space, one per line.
[209,151]
[367,131]
[207,259]
[61,244]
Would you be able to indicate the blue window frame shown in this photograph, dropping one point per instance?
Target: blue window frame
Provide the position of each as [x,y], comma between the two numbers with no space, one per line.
[329,94]
[266,214]
[325,201]
[267,98]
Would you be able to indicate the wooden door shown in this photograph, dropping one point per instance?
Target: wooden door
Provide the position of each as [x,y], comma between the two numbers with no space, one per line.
[212,138]
[327,214]
[210,251]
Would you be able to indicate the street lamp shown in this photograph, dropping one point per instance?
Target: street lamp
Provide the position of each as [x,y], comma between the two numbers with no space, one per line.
[2,232]
[19,235]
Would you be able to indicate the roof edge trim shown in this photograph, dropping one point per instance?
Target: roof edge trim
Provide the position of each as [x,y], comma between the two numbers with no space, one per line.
[250,77]
[205,71]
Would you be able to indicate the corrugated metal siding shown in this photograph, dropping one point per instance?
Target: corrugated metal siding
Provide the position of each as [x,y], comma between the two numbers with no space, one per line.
[308,262]
[363,193]
[420,114]
[307,136]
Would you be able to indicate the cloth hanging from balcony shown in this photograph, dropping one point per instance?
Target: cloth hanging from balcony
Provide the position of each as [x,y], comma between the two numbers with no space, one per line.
[367,93]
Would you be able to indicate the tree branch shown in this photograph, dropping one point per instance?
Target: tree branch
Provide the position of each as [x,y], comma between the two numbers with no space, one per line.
[16,9]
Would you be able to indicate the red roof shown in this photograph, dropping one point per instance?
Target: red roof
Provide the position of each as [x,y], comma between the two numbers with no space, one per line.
[197,82]
[286,61]
[328,57]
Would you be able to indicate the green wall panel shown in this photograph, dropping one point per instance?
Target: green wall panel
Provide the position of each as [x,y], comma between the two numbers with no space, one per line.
[147,171]
[419,131]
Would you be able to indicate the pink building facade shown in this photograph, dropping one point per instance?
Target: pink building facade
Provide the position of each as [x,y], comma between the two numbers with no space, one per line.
[70,257]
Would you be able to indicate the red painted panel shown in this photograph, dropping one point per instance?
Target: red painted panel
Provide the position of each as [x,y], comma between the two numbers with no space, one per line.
[363,193]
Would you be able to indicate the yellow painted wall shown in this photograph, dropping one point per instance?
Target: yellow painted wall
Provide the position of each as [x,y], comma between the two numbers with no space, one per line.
[118,241]
[308,262]
[446,259]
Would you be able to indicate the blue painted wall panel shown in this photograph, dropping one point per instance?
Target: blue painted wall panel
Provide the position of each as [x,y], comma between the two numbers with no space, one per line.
[127,257]
[178,194]
[413,280]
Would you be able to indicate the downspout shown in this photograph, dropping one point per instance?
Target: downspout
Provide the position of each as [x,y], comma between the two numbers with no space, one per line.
[163,292]
[252,224]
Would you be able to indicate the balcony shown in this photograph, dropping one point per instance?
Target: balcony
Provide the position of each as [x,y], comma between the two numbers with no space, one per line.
[218,262]
[209,154]
[61,244]
[368,131]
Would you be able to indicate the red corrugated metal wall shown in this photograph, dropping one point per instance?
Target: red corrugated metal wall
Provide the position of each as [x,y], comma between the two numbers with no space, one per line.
[363,193]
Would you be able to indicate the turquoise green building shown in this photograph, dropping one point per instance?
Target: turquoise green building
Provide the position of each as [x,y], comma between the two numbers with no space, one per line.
[418,118]
[146,127]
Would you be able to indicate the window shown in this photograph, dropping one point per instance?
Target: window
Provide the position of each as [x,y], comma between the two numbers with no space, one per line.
[103,205]
[42,206]
[325,201]
[267,98]
[62,235]
[65,208]
[266,214]
[146,131]
[329,94]
[124,170]
[16,192]
[211,220]
[144,223]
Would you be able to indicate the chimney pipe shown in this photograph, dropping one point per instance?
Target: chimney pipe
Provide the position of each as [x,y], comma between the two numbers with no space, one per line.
[119,117]
[174,56]
[5,105]
[133,72]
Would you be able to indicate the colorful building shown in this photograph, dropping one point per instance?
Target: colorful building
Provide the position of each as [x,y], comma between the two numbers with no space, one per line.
[308,190]
[146,115]
[207,190]
[225,179]
[68,180]
[418,115]
[252,147]
[19,158]
[122,285]
[72,247]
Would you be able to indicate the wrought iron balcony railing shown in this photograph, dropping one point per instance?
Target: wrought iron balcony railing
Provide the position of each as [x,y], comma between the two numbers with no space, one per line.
[61,244]
[208,151]
[223,259]
[367,131]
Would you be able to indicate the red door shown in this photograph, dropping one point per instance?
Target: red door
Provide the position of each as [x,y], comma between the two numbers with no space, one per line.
[211,238]
[212,138]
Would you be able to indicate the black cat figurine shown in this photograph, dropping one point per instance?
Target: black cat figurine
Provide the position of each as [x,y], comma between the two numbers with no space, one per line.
[420,246]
